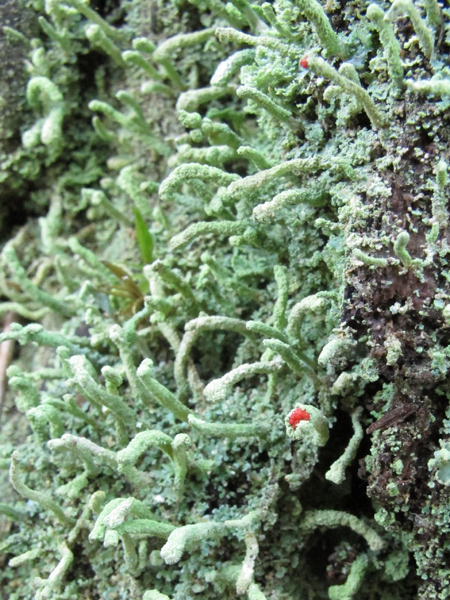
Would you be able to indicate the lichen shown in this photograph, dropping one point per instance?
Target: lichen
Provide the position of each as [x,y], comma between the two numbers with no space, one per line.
[223,369]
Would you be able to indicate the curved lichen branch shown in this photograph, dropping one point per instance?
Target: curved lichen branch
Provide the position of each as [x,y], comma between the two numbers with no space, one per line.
[141,443]
[28,556]
[425,36]
[228,34]
[160,392]
[99,198]
[19,274]
[45,416]
[229,575]
[279,310]
[86,450]
[143,527]
[335,518]
[125,338]
[216,156]
[249,11]
[226,228]
[220,133]
[354,580]
[336,472]
[175,449]
[99,529]
[91,259]
[441,171]
[247,92]
[367,259]
[180,444]
[255,156]
[40,90]
[314,304]
[133,122]
[226,70]
[296,166]
[192,99]
[112,523]
[193,329]
[12,513]
[324,69]
[245,577]
[94,17]
[74,487]
[28,394]
[26,492]
[254,593]
[266,330]
[184,173]
[182,537]
[128,181]
[27,313]
[390,44]
[218,389]
[99,39]
[180,41]
[337,349]
[329,39]
[58,35]
[298,361]
[401,241]
[37,334]
[434,14]
[128,507]
[174,281]
[56,577]
[266,212]
[97,394]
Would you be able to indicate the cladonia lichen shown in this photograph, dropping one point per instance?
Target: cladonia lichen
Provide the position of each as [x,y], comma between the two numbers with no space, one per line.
[225,300]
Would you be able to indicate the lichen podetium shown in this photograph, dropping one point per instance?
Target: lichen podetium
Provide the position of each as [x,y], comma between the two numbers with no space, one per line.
[225,271]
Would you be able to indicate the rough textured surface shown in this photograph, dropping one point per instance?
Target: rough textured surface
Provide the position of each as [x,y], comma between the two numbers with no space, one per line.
[236,214]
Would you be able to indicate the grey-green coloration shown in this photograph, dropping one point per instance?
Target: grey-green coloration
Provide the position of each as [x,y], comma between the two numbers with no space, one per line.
[160,392]
[401,241]
[229,430]
[224,281]
[426,40]
[39,497]
[440,87]
[322,68]
[193,171]
[218,389]
[328,38]
[390,43]
[315,428]
[336,473]
[42,91]
[371,261]
[278,112]
[334,518]
[354,580]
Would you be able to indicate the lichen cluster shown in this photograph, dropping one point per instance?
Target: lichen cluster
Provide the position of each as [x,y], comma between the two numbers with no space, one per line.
[230,301]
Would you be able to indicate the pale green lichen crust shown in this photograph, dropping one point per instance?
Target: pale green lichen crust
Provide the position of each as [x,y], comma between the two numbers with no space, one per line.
[226,314]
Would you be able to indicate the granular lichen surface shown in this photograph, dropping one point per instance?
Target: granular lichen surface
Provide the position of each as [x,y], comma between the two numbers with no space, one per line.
[225,296]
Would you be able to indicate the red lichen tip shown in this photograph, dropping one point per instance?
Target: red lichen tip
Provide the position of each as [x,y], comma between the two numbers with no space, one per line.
[304,62]
[297,415]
